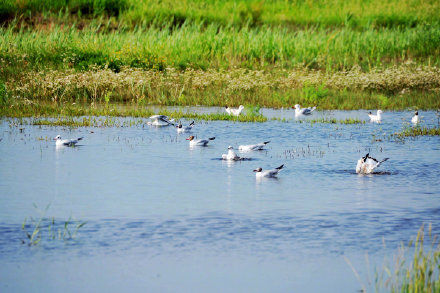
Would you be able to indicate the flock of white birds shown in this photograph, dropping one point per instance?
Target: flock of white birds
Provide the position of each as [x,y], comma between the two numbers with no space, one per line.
[365,165]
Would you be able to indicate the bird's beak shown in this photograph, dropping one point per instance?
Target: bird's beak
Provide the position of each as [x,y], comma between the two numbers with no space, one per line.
[255,170]
[293,107]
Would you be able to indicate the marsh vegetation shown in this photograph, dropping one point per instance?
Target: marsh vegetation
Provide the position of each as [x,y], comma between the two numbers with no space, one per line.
[337,55]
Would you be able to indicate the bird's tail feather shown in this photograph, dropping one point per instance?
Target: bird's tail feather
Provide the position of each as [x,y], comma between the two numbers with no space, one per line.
[211,138]
[280,167]
[266,142]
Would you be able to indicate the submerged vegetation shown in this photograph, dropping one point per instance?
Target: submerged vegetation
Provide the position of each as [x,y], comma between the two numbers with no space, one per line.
[331,53]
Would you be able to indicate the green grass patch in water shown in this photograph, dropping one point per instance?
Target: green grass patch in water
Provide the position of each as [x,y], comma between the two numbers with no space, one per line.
[415,267]
[334,121]
[417,131]
[47,228]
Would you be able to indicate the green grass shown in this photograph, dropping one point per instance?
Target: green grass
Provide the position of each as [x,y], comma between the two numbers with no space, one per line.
[194,46]
[110,121]
[331,53]
[419,273]
[397,88]
[414,268]
[335,121]
[44,228]
[130,13]
[101,115]
[417,131]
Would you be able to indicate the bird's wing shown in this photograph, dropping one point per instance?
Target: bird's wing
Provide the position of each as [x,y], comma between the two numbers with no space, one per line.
[308,110]
[156,117]
[273,172]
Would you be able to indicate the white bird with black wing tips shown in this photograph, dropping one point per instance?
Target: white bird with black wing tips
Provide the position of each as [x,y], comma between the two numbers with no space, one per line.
[181,129]
[377,117]
[253,147]
[198,142]
[303,111]
[367,164]
[66,142]
[259,173]
[160,120]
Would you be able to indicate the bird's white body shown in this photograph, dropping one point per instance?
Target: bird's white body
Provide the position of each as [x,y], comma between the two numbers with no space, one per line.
[303,111]
[66,142]
[259,173]
[377,117]
[199,142]
[183,129]
[231,155]
[252,147]
[160,120]
[367,164]
[415,119]
[234,112]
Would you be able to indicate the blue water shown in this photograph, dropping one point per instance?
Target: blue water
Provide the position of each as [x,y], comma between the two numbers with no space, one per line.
[163,217]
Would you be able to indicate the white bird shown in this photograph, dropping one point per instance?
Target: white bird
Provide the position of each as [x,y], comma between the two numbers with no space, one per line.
[65,142]
[231,155]
[235,112]
[303,111]
[259,173]
[199,142]
[252,147]
[367,164]
[377,117]
[415,118]
[182,129]
[160,120]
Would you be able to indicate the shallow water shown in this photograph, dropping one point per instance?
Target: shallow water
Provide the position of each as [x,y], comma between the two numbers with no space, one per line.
[163,217]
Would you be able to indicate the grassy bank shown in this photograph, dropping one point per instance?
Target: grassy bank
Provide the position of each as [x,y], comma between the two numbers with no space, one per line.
[331,53]
[394,88]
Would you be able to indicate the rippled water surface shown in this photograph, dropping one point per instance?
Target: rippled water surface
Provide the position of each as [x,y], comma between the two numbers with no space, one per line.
[162,217]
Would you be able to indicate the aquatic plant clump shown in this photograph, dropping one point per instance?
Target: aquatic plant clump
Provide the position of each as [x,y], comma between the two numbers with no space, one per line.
[335,121]
[45,228]
[415,267]
[417,131]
